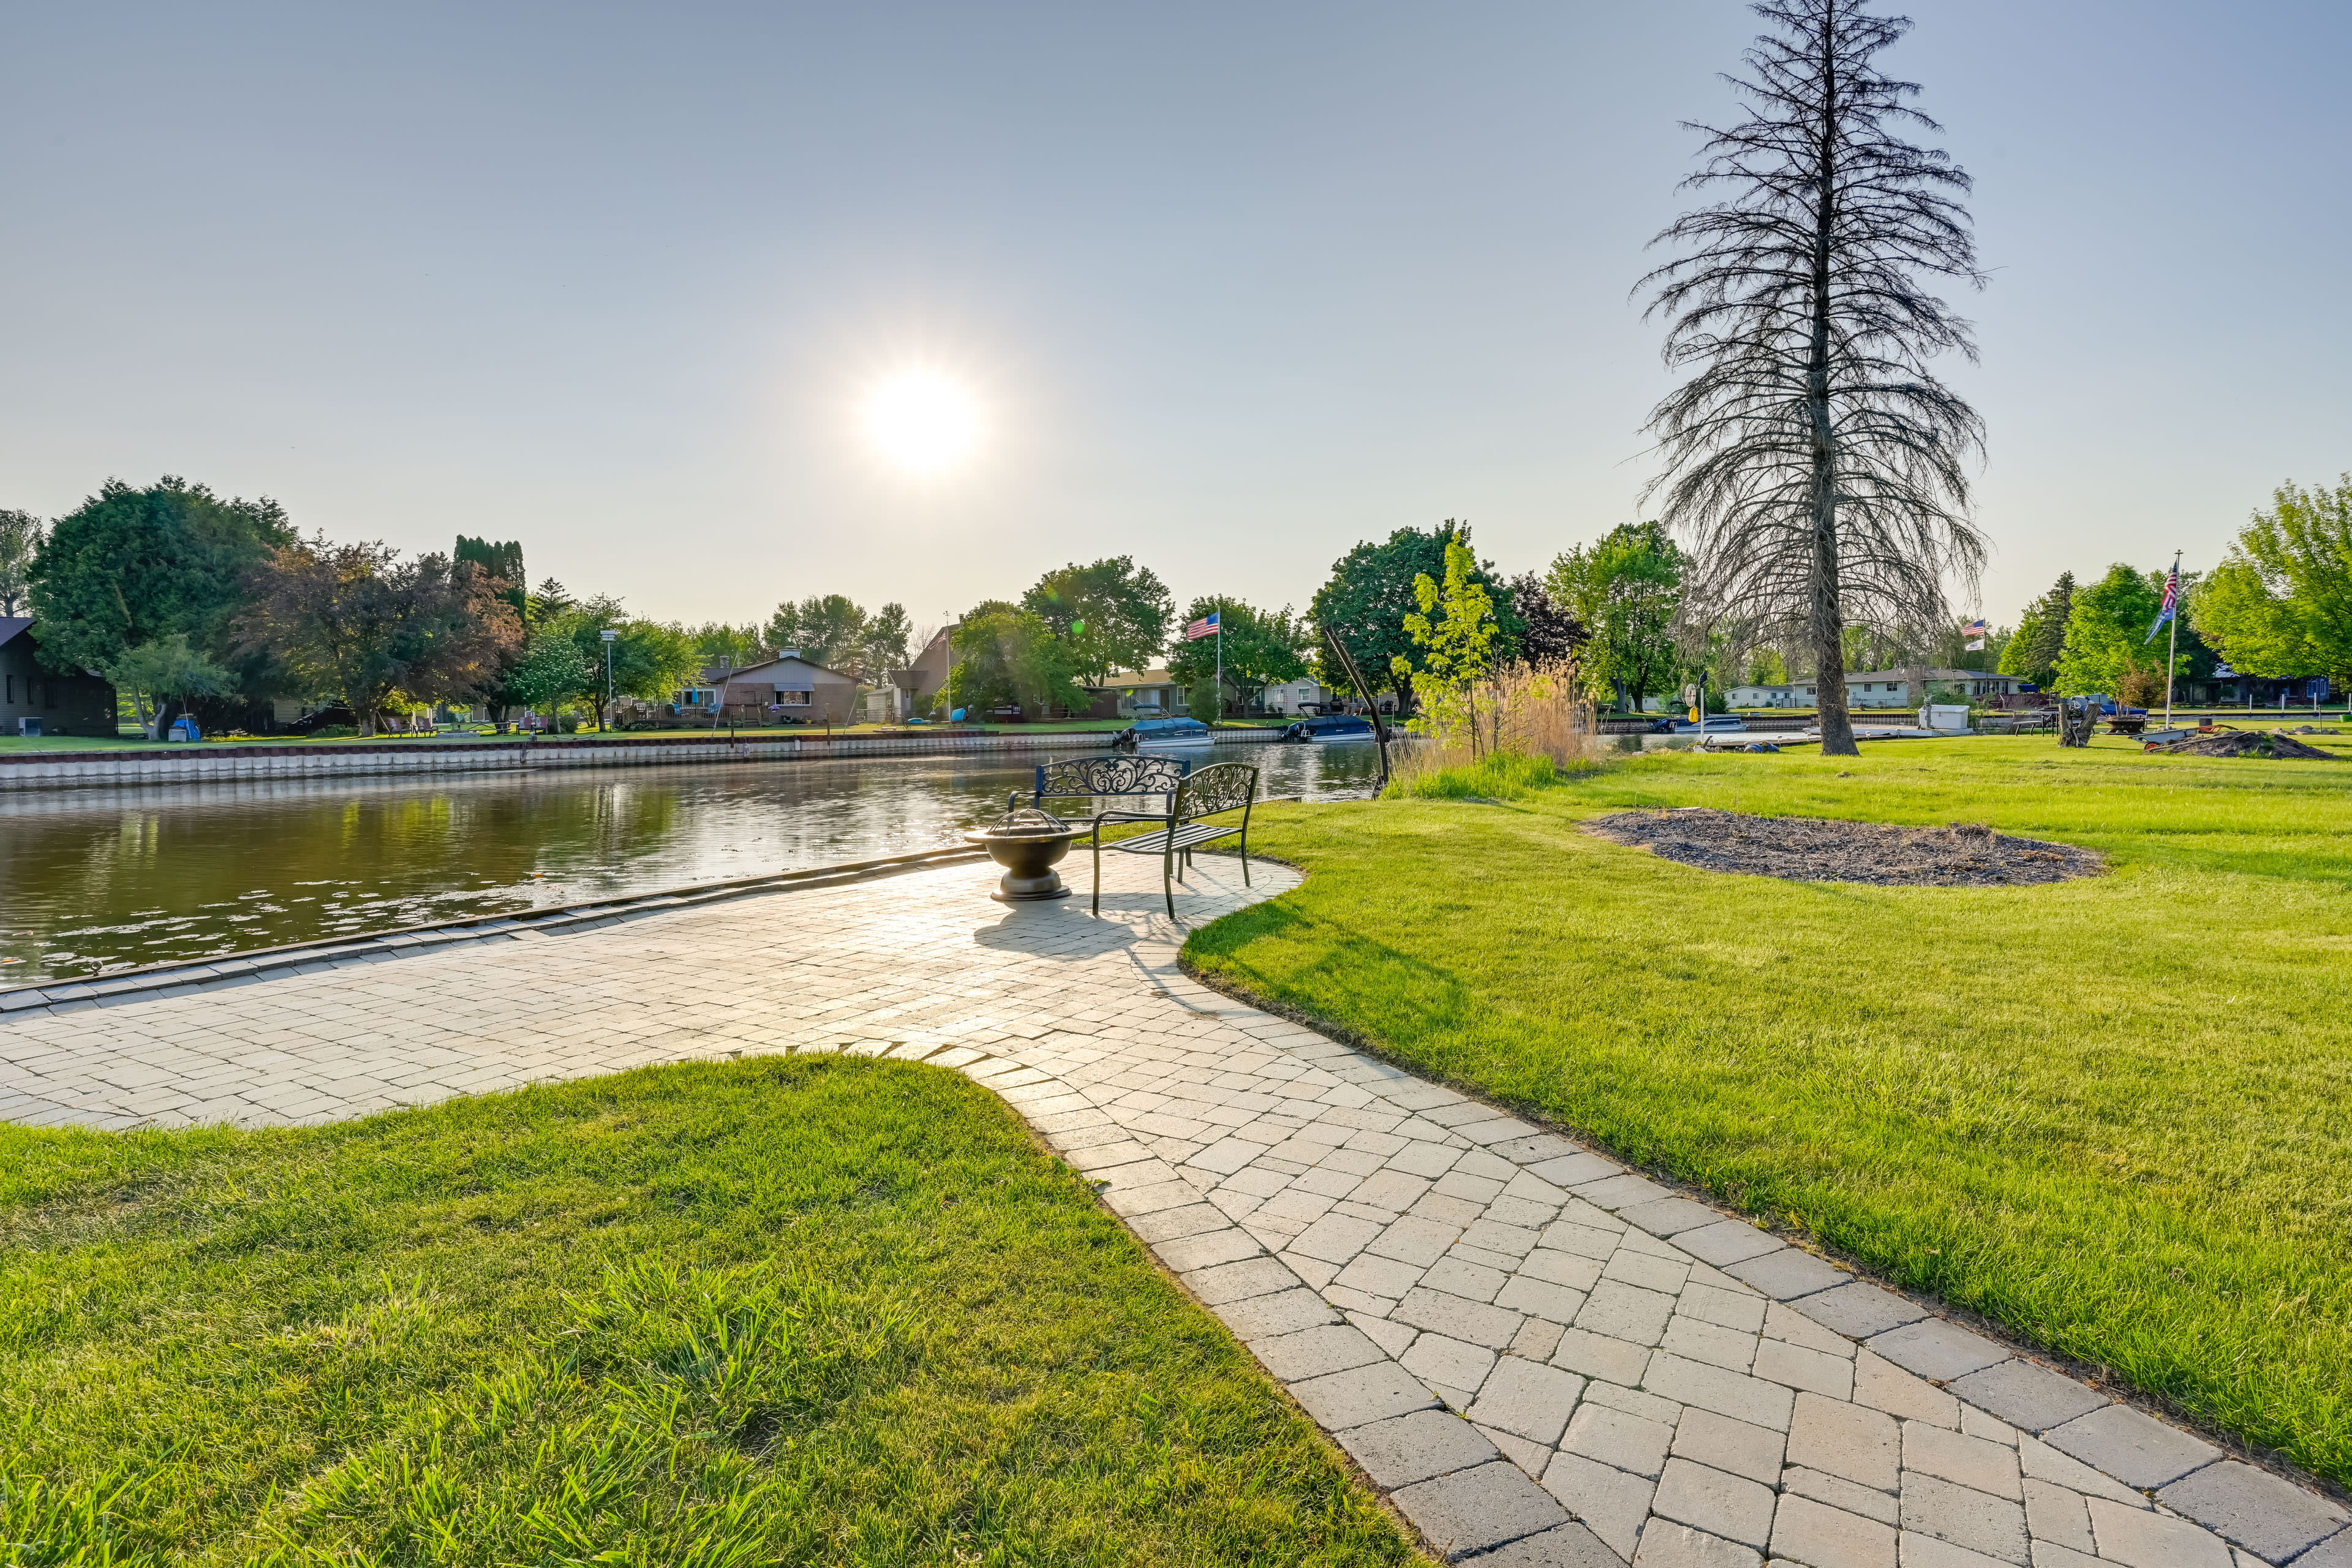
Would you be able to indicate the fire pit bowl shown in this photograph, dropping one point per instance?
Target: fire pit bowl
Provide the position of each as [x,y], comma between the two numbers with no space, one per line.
[1027,843]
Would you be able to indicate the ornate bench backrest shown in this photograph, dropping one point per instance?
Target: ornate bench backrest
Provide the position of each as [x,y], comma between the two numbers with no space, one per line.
[1131,773]
[1227,786]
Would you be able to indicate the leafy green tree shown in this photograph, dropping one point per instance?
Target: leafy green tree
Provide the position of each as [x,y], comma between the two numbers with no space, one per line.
[2280,604]
[650,660]
[1626,588]
[887,635]
[129,567]
[357,621]
[1370,593]
[1004,653]
[1767,667]
[1457,650]
[1262,647]
[738,646]
[153,673]
[21,534]
[551,668]
[1113,614]
[823,629]
[2031,652]
[2108,649]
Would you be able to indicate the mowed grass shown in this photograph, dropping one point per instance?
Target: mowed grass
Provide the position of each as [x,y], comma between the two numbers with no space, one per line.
[780,1311]
[2115,1114]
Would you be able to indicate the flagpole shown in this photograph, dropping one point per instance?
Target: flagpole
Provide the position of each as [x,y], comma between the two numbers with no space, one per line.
[1221,665]
[2172,643]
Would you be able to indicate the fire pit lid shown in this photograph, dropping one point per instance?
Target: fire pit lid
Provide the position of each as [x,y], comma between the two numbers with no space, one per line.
[1021,821]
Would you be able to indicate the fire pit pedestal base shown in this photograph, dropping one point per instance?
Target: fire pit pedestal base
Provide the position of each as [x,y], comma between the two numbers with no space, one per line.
[1028,859]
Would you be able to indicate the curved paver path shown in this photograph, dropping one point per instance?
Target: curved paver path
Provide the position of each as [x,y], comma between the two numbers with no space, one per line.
[1644,1379]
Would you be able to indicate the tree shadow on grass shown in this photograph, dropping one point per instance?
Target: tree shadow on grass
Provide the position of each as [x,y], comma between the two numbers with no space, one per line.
[1436,1000]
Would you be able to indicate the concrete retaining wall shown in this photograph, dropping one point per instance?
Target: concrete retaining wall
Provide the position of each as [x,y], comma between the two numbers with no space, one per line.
[208,762]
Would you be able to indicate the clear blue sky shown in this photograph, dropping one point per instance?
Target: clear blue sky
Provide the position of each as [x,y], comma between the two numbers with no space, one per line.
[1238,285]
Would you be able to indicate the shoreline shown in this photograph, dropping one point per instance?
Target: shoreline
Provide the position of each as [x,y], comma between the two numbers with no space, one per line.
[200,764]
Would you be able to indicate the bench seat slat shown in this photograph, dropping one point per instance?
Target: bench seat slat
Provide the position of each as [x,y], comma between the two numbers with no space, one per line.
[1184,837]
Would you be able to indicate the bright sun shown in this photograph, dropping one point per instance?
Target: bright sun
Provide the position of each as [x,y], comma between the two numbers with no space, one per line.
[922,421]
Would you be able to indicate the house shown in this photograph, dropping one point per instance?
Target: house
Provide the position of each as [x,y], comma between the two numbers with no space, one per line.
[1892,688]
[787,688]
[1752,696]
[915,690]
[2238,690]
[1147,694]
[32,695]
[1301,695]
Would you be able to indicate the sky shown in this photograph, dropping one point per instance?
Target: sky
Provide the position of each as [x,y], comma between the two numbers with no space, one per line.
[1231,287]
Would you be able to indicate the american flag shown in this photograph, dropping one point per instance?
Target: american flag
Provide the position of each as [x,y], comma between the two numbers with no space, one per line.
[1206,626]
[1975,632]
[2171,602]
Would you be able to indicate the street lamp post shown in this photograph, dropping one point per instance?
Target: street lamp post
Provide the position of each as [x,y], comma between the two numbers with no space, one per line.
[605,719]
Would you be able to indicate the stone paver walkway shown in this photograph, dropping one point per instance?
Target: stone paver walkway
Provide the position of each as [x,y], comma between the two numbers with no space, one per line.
[1545,1360]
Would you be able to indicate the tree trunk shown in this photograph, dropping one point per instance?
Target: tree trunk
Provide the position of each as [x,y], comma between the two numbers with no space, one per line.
[1825,613]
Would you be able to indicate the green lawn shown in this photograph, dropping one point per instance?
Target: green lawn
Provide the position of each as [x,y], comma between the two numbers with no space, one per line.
[12,744]
[2111,1114]
[780,1311]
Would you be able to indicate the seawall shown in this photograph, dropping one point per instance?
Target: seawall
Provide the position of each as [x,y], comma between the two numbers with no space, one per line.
[211,762]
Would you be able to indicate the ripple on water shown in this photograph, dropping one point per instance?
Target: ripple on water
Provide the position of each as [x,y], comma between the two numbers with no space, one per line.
[107,878]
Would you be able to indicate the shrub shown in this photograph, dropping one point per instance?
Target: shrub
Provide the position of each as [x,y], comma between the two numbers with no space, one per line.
[332,731]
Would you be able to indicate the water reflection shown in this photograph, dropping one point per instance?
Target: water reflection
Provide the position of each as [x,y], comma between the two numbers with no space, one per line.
[92,878]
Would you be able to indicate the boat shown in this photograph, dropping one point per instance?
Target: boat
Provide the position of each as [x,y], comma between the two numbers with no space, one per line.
[1330,727]
[1157,733]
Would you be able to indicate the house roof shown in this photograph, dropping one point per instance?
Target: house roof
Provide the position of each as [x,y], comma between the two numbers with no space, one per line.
[11,625]
[770,667]
[1885,675]
[1144,677]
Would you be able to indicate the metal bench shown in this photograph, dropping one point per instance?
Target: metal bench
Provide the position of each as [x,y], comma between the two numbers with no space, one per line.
[1190,797]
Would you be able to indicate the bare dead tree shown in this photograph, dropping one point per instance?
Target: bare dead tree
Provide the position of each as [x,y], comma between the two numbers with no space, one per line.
[1817,467]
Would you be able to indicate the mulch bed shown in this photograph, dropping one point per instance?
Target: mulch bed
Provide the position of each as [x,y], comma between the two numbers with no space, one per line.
[1814,849]
[2246,743]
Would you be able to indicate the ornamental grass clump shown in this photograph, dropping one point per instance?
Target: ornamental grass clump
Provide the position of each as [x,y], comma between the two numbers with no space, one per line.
[1516,729]
[1491,729]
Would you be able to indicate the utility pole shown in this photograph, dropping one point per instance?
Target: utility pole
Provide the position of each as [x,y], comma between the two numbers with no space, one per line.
[605,719]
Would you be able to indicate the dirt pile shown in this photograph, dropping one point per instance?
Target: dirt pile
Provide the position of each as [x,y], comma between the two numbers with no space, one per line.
[2244,743]
[1814,849]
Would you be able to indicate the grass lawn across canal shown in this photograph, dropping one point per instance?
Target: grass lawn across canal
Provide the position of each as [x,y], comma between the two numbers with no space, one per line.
[822,1312]
[2113,1114]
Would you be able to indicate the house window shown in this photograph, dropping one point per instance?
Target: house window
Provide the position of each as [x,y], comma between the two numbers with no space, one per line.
[795,698]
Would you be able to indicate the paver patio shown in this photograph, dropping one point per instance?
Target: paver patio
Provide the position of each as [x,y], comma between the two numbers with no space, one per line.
[1545,1360]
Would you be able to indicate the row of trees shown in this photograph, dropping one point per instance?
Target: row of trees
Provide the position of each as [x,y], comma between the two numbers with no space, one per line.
[1079,624]
[2279,605]
[184,598]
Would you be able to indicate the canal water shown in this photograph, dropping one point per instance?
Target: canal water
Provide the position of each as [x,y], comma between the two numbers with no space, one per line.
[96,879]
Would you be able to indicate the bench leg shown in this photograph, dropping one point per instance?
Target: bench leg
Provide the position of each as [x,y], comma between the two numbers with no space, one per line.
[1097,903]
[1168,879]
[1245,881]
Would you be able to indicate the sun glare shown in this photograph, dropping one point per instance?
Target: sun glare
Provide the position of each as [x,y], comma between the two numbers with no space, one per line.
[922,422]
